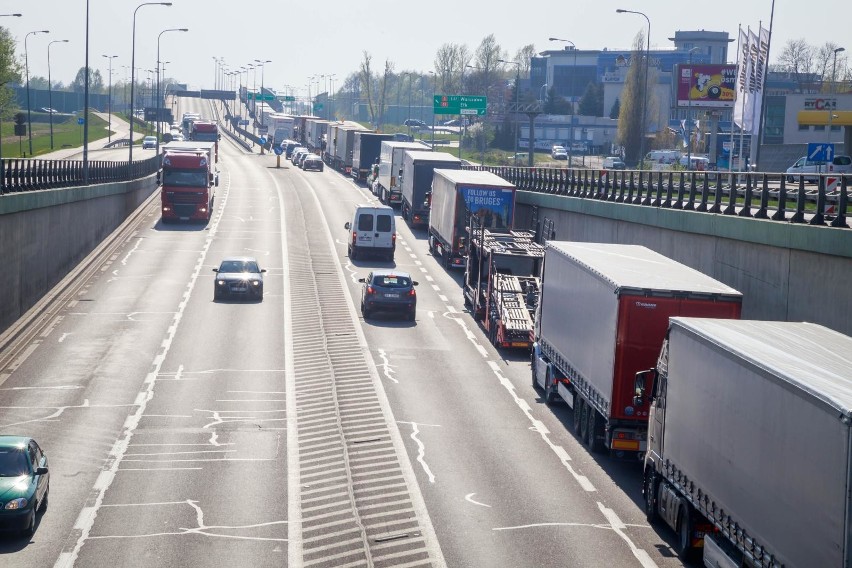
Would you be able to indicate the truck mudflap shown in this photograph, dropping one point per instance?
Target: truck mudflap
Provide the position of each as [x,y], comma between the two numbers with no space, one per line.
[563,389]
[718,553]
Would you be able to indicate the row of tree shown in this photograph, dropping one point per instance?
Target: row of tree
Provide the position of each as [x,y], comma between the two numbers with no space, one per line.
[814,68]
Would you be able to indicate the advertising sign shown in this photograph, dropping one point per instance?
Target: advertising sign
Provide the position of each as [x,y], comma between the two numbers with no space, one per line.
[492,205]
[706,86]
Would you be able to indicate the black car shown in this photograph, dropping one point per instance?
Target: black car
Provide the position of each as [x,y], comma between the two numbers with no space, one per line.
[312,162]
[388,290]
[415,123]
[238,277]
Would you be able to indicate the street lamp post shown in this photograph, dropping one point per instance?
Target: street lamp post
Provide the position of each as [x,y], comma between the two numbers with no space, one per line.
[689,113]
[542,94]
[262,64]
[133,73]
[109,99]
[645,91]
[833,90]
[27,67]
[157,105]
[50,88]
[517,65]
[573,84]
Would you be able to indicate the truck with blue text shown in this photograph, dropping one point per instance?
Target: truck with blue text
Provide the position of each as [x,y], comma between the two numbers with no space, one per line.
[602,315]
[418,167]
[750,442]
[390,170]
[455,195]
[366,148]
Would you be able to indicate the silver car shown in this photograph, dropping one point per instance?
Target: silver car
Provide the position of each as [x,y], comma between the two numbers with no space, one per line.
[238,277]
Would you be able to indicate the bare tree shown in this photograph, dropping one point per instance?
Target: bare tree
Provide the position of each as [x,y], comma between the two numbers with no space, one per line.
[366,76]
[824,57]
[487,55]
[523,57]
[797,59]
[450,62]
[383,86]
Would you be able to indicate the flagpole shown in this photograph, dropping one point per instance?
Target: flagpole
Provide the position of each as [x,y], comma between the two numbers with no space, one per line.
[763,94]
[736,102]
[755,126]
[746,94]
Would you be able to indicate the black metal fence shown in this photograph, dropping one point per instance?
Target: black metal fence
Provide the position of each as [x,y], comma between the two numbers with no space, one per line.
[814,199]
[19,175]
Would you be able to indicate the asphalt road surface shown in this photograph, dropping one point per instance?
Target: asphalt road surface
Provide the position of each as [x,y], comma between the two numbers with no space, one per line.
[291,432]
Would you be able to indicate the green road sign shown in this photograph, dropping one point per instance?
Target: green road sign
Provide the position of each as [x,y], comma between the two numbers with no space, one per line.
[288,98]
[263,97]
[459,104]
[317,107]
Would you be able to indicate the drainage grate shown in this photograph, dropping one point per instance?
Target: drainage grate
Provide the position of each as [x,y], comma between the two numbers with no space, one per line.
[356,506]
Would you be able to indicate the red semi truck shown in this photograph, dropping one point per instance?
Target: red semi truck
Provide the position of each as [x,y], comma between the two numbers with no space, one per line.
[205,131]
[187,176]
[602,315]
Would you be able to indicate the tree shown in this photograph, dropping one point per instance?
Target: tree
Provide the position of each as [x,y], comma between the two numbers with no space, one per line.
[10,71]
[96,81]
[825,64]
[366,77]
[630,127]
[487,55]
[450,62]
[554,104]
[38,82]
[524,57]
[616,109]
[797,59]
[383,87]
[591,103]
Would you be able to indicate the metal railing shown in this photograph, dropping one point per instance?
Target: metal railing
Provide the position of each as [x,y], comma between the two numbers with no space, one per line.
[771,196]
[18,175]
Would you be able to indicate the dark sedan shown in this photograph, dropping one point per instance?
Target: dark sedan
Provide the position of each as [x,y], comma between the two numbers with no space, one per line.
[238,277]
[24,483]
[388,290]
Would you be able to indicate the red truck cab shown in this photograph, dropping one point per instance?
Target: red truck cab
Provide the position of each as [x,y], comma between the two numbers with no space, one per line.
[187,180]
[205,131]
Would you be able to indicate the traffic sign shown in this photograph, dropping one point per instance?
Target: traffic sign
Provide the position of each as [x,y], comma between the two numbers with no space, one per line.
[459,104]
[244,122]
[317,107]
[261,97]
[820,152]
[81,121]
[278,150]
[287,98]
[262,140]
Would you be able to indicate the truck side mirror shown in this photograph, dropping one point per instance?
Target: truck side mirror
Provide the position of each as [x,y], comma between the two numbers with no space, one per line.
[639,386]
[347,226]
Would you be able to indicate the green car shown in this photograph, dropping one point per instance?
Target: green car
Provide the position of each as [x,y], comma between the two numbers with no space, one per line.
[24,483]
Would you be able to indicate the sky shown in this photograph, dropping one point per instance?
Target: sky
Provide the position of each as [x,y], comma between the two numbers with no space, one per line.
[307,38]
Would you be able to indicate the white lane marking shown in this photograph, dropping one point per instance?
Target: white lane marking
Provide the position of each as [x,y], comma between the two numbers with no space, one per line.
[436,288]
[131,251]
[423,269]
[443,298]
[525,408]
[418,263]
[58,411]
[250,400]
[618,526]
[62,337]
[157,469]
[62,387]
[387,368]
[412,255]
[557,524]
[469,499]
[259,392]
[66,560]
[429,278]
[169,444]
[421,449]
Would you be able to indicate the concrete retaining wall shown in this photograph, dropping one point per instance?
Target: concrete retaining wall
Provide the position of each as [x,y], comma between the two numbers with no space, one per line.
[785,272]
[44,234]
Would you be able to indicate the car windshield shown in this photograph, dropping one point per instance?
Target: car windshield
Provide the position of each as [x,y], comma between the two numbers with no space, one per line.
[391,281]
[185,178]
[13,462]
[238,266]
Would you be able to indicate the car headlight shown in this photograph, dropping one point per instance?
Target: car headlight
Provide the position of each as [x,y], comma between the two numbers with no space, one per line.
[220,282]
[16,504]
[255,282]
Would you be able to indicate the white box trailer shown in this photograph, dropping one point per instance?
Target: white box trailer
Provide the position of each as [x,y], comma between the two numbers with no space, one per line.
[418,167]
[316,130]
[750,440]
[345,145]
[390,169]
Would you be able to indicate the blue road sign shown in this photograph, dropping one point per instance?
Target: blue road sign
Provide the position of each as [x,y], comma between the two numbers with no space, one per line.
[278,150]
[262,140]
[820,152]
[81,121]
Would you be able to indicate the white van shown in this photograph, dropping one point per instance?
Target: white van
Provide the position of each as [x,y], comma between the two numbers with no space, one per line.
[662,156]
[372,230]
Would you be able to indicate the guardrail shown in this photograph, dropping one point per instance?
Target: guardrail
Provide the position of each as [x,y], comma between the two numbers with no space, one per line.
[18,175]
[759,195]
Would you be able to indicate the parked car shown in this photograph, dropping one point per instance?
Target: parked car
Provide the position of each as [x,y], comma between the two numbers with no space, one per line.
[149,142]
[388,290]
[613,163]
[695,163]
[312,162]
[839,165]
[559,153]
[414,123]
[24,483]
[520,157]
[453,122]
[238,277]
[49,110]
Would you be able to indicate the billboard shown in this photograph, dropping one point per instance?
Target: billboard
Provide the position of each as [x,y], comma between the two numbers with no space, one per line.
[706,86]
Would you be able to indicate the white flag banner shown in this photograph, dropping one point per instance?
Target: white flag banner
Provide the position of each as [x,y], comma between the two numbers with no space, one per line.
[742,78]
[760,64]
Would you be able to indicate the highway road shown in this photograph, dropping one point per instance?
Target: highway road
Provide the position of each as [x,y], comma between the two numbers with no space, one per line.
[291,432]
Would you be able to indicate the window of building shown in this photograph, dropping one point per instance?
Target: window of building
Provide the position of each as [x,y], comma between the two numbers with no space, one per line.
[803,127]
[835,128]
[819,127]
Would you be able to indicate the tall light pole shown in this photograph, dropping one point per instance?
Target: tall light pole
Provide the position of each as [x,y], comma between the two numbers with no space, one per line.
[133,72]
[573,84]
[50,88]
[109,98]
[517,65]
[158,104]
[833,89]
[645,91]
[542,94]
[689,113]
[262,64]
[27,67]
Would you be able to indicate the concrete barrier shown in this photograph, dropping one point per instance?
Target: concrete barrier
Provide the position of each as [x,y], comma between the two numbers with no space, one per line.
[44,234]
[785,271]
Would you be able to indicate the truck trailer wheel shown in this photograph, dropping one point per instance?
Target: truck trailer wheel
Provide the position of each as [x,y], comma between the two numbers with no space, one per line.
[651,514]
[577,413]
[548,394]
[684,541]
[584,420]
[594,431]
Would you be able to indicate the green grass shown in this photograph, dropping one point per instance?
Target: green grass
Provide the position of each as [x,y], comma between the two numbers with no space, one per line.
[66,133]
